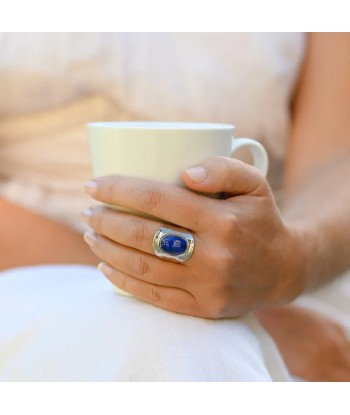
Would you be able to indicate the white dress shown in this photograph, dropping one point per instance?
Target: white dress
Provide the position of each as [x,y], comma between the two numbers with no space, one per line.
[65,323]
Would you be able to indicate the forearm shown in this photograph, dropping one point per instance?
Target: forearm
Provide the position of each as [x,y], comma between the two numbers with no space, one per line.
[319,211]
[28,238]
[317,192]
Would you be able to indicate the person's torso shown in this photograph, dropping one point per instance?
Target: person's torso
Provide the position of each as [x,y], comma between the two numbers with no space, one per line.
[53,84]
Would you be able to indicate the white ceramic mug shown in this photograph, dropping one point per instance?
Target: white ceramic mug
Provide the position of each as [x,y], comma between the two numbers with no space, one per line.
[161,151]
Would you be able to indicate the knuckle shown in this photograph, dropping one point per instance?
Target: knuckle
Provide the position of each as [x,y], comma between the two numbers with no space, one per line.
[228,227]
[219,307]
[111,190]
[155,296]
[137,233]
[225,261]
[230,224]
[262,186]
[123,282]
[140,266]
[151,197]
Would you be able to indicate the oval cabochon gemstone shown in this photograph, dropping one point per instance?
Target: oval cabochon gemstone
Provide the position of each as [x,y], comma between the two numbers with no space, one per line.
[173,244]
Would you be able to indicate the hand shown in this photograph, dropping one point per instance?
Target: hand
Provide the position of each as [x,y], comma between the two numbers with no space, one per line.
[244,256]
[314,347]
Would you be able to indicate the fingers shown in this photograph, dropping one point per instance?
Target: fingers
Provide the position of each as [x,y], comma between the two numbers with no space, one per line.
[169,203]
[168,298]
[226,175]
[142,274]
[137,264]
[123,228]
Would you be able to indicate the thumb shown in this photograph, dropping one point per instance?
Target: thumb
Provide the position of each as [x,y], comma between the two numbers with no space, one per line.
[225,175]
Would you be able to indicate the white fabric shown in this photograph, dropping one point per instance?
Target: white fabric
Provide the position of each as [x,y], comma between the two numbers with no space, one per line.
[65,323]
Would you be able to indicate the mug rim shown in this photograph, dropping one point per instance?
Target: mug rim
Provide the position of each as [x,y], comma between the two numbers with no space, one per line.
[162,125]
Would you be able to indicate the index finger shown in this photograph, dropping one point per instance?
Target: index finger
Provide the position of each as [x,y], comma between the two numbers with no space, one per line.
[170,203]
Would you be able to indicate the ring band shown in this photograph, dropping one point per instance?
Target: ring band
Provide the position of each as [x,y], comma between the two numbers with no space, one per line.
[171,244]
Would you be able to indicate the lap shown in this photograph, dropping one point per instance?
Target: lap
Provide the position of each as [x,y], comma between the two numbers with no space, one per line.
[65,323]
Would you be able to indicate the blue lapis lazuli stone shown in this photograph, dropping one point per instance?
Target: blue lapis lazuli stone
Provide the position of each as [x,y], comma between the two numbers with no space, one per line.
[173,244]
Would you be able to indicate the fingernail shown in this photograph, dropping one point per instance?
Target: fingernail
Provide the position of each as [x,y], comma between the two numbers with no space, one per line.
[197,174]
[90,187]
[104,268]
[87,214]
[90,237]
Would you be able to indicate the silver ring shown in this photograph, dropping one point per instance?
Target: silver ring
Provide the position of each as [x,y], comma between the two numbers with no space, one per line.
[171,244]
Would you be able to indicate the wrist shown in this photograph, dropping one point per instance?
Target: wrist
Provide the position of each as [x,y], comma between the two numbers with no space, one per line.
[305,256]
[294,274]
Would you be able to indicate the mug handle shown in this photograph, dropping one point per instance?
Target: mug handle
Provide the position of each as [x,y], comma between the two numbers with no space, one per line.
[260,157]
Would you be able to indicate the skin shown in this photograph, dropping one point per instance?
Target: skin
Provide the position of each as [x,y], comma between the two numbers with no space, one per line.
[255,255]
[311,229]
[298,247]
[225,277]
[314,347]
[38,239]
